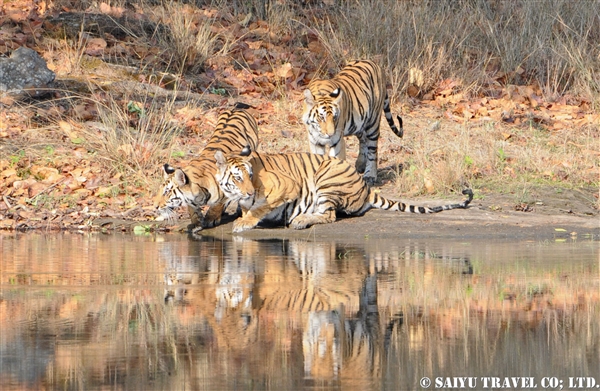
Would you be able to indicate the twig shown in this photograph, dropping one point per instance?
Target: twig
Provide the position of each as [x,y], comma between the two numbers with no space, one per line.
[5,199]
[30,200]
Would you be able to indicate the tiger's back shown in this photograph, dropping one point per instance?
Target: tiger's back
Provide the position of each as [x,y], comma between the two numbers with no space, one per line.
[302,189]
[348,104]
[236,129]
[195,185]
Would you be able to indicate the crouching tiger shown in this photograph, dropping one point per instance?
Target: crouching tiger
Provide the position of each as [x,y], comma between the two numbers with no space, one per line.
[195,185]
[302,189]
[349,104]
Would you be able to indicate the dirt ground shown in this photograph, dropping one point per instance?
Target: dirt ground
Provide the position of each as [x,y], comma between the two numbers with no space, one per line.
[567,214]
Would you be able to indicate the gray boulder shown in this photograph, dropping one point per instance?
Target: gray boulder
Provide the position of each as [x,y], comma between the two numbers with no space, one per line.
[24,74]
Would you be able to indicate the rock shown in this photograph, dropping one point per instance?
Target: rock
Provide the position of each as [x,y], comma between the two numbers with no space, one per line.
[24,74]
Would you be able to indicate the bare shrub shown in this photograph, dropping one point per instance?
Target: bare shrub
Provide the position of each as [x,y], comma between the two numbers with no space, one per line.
[133,137]
[190,40]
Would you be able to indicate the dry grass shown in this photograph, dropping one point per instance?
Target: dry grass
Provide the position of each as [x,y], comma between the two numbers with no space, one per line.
[553,42]
[191,40]
[133,137]
[445,156]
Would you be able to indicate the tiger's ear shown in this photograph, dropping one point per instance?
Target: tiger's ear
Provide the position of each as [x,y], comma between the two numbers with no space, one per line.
[220,158]
[309,99]
[336,94]
[167,170]
[246,151]
[181,178]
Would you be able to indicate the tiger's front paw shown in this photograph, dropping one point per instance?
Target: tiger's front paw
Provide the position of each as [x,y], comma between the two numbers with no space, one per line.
[244,224]
[301,222]
[195,229]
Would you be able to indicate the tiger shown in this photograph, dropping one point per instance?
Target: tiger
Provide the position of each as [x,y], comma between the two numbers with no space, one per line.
[348,104]
[195,185]
[302,189]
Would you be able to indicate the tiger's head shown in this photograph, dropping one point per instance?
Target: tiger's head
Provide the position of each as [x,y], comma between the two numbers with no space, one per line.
[178,190]
[322,108]
[234,174]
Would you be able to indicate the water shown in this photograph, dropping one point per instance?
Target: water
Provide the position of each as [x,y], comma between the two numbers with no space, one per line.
[158,312]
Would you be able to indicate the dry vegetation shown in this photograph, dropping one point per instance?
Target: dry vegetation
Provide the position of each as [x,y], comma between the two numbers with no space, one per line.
[497,95]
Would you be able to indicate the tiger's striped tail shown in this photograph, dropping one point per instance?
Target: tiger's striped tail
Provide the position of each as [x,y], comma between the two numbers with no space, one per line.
[379,202]
[399,131]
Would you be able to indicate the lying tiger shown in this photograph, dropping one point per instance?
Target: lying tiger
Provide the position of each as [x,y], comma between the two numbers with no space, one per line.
[301,189]
[349,104]
[195,185]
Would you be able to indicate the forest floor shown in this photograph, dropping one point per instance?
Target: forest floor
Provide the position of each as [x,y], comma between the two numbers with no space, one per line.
[88,155]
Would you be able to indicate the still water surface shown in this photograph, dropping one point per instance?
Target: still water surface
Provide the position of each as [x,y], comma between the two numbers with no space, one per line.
[175,312]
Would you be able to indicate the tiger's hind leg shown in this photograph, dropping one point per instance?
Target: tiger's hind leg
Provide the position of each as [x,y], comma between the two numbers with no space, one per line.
[309,219]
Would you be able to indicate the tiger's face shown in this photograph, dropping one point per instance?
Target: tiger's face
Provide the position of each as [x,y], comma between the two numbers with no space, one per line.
[178,191]
[234,175]
[321,113]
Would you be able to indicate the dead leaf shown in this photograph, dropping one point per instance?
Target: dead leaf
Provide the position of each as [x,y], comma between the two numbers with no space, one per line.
[67,128]
[8,223]
[126,149]
[428,185]
[117,12]
[95,46]
[412,91]
[24,184]
[8,172]
[43,172]
[36,188]
[26,214]
[285,71]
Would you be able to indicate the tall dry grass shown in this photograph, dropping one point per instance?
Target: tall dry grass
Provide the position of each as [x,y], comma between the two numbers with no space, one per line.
[189,40]
[133,137]
[553,42]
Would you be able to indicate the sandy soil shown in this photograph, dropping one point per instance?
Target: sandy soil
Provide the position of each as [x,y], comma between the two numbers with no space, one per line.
[566,214]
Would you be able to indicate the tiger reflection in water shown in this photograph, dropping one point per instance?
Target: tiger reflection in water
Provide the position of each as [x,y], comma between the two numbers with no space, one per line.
[319,289]
[206,278]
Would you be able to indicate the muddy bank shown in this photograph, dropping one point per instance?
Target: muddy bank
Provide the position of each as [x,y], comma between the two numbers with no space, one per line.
[568,214]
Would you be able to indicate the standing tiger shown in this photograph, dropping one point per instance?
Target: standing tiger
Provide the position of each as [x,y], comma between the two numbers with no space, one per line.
[349,104]
[195,185]
[302,189]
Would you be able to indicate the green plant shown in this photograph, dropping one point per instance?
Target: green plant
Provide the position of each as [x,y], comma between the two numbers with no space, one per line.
[49,150]
[218,91]
[15,159]
[134,108]
[501,154]
[142,229]
[468,161]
